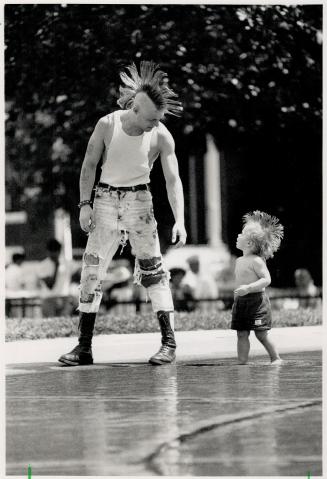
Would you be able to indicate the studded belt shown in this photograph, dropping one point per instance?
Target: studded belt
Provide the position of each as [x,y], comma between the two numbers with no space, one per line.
[124,188]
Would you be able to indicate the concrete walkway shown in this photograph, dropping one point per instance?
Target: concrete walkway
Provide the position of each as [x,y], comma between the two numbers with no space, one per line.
[203,416]
[192,345]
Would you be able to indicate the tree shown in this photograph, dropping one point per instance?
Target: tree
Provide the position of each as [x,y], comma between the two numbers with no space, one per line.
[249,75]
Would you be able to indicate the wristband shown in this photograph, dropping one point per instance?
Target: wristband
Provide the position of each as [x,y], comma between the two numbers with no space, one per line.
[83,203]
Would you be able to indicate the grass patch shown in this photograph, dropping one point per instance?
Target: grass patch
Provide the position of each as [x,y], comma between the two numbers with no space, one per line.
[59,327]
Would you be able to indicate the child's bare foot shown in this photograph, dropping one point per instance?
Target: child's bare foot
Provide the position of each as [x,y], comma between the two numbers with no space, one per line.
[276,362]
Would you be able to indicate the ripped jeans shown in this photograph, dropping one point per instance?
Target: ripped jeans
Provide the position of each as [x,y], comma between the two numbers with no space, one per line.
[122,215]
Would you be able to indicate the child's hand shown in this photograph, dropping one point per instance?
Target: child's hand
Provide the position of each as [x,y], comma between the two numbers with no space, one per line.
[242,290]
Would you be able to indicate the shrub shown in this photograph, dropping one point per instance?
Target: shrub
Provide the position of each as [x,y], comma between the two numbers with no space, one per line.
[40,328]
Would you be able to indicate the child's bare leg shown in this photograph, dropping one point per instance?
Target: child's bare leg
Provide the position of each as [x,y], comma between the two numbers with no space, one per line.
[269,346]
[243,346]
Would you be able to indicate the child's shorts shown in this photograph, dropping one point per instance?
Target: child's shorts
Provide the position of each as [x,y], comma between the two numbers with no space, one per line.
[251,312]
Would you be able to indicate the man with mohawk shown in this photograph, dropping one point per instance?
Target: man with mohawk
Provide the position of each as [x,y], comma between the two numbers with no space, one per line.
[128,141]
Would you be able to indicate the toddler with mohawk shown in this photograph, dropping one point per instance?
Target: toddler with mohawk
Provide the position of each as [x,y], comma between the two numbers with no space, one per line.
[260,239]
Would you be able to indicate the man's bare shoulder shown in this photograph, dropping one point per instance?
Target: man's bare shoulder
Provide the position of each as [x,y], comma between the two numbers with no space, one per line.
[106,120]
[164,136]
[104,127]
[163,130]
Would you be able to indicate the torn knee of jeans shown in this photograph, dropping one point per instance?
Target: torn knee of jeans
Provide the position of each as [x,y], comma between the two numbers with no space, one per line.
[149,264]
[86,297]
[153,278]
[91,259]
[91,277]
[88,281]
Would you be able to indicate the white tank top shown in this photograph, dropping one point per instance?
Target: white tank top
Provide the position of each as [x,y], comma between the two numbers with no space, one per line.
[126,160]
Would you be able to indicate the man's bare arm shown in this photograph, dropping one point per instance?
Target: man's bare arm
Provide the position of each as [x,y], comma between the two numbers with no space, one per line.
[92,157]
[87,177]
[173,184]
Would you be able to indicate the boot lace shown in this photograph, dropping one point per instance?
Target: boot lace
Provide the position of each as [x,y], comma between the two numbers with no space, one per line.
[76,349]
[165,349]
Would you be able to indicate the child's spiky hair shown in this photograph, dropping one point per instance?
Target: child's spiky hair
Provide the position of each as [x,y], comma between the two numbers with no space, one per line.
[152,81]
[270,232]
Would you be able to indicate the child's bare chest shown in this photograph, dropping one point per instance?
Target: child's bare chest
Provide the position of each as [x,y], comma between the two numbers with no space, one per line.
[244,271]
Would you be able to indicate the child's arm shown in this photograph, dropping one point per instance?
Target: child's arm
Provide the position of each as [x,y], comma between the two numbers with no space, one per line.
[264,280]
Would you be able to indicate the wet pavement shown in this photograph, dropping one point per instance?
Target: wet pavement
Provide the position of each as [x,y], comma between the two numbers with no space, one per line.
[195,418]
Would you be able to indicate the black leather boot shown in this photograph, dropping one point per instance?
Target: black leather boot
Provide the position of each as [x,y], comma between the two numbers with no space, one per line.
[166,353]
[82,353]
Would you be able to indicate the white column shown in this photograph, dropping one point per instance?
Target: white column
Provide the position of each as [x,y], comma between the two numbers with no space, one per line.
[212,193]
[193,199]
[63,233]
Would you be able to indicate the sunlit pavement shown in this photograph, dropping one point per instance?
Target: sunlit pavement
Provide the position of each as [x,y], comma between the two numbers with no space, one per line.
[204,415]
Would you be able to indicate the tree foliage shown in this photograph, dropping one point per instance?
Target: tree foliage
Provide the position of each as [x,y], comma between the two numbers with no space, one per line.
[240,71]
[251,75]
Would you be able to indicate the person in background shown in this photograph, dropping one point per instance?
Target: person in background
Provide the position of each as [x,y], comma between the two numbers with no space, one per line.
[201,283]
[306,288]
[54,276]
[182,293]
[14,274]
[260,239]
[117,287]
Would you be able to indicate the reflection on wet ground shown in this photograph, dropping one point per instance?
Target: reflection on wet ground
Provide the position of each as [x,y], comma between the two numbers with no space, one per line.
[205,418]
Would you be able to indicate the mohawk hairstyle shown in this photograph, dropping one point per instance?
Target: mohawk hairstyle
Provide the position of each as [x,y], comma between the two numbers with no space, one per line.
[269,235]
[152,81]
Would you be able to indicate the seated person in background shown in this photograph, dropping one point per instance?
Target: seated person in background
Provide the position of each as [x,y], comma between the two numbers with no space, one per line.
[183,297]
[306,288]
[14,274]
[201,283]
[117,286]
[54,276]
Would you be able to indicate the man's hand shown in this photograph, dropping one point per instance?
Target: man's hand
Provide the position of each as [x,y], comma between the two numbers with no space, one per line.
[86,219]
[180,233]
[242,290]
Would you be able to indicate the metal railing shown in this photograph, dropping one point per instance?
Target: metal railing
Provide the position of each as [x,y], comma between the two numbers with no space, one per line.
[32,306]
